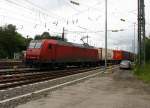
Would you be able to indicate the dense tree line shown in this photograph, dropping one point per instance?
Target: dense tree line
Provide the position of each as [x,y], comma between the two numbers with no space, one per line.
[11,41]
[46,35]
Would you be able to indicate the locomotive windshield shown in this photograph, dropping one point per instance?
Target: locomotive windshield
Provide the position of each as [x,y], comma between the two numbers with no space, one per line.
[35,44]
[32,45]
[38,45]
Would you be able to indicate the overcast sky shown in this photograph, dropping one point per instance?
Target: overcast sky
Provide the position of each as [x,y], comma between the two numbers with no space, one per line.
[36,16]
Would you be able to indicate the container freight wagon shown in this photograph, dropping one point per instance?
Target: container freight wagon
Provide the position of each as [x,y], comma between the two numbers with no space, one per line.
[109,54]
[117,55]
[122,55]
[101,53]
[126,55]
[132,56]
[55,52]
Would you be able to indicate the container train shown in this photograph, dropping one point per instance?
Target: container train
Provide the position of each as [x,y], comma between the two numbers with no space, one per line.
[50,52]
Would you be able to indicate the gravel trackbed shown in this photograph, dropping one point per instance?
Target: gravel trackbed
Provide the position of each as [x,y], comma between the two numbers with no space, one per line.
[117,90]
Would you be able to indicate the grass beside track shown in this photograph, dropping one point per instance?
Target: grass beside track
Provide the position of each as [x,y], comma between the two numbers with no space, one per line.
[143,73]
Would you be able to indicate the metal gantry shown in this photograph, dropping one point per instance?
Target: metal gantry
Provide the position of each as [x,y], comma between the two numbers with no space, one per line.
[141,32]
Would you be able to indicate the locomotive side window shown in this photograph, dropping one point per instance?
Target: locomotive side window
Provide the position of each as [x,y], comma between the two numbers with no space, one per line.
[49,46]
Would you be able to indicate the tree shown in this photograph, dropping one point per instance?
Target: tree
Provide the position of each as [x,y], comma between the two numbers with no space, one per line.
[37,37]
[28,40]
[46,35]
[10,41]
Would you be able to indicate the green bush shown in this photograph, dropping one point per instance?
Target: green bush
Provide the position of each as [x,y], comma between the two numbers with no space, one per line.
[143,72]
[3,54]
[147,50]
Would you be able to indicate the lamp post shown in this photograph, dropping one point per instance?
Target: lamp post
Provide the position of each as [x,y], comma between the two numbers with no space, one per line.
[134,24]
[27,41]
[134,43]
[105,34]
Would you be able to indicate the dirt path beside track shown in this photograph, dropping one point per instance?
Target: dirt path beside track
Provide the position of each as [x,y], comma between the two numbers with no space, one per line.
[117,90]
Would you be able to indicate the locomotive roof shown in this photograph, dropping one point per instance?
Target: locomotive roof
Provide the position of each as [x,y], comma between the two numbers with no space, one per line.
[60,42]
[73,44]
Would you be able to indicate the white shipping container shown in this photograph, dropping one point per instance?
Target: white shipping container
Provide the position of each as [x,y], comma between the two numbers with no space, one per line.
[99,53]
[109,54]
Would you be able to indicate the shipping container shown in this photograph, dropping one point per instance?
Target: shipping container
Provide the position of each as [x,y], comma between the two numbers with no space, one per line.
[109,54]
[126,55]
[99,53]
[117,55]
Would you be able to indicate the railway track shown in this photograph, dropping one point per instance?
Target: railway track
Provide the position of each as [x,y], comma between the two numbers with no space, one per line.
[28,77]
[9,64]
[17,71]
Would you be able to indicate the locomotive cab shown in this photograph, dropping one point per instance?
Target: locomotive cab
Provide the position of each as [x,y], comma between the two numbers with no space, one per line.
[40,52]
[33,52]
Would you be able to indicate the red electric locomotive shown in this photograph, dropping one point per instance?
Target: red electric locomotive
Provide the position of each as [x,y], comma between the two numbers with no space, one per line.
[60,53]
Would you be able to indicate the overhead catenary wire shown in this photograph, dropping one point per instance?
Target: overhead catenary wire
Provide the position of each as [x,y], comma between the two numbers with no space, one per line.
[44,10]
[31,8]
[25,1]
[21,15]
[26,10]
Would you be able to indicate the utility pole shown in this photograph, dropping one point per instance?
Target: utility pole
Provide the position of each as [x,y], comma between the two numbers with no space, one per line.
[105,34]
[141,32]
[134,43]
[139,35]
